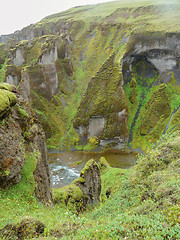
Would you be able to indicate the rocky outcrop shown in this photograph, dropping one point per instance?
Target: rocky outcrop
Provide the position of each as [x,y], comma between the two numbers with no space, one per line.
[23,149]
[103,110]
[42,79]
[90,182]
[150,54]
[49,57]
[83,191]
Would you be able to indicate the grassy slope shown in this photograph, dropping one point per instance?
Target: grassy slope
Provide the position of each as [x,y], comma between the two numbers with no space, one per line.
[167,17]
[144,202]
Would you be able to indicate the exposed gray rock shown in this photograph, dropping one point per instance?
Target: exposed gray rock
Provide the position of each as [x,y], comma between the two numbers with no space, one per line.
[49,57]
[44,80]
[51,77]
[19,58]
[13,80]
[159,55]
[24,86]
[83,132]
[96,126]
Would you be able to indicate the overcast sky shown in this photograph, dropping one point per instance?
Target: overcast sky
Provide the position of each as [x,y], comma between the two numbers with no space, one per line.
[16,14]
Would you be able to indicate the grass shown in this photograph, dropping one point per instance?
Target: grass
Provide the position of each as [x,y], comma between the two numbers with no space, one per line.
[143,202]
[160,21]
[2,73]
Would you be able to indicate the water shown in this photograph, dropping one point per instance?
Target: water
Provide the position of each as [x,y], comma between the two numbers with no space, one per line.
[66,167]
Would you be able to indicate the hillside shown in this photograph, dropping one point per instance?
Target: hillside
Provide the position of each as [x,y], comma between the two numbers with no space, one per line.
[96,78]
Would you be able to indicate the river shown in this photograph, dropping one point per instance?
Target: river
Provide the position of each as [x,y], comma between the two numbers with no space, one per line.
[66,167]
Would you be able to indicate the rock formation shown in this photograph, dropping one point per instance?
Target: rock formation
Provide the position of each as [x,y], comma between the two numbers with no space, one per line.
[22,145]
[83,191]
[90,76]
[90,182]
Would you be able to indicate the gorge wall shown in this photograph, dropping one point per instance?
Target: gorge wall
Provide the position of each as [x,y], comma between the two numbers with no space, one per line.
[22,147]
[102,75]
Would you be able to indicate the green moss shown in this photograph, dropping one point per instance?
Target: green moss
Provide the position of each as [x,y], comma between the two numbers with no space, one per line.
[103,164]
[7,86]
[33,52]
[104,97]
[13,70]
[111,180]
[2,73]
[7,99]
[26,187]
[175,119]
[87,166]
[154,113]
[3,54]
[157,109]
[22,112]
[176,143]
[70,195]
[79,180]
[3,63]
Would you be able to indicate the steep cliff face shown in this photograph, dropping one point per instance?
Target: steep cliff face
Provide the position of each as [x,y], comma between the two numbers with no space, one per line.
[103,110]
[95,72]
[23,148]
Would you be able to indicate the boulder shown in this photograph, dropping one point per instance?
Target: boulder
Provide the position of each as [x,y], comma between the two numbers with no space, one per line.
[83,191]
[27,228]
[90,182]
[7,98]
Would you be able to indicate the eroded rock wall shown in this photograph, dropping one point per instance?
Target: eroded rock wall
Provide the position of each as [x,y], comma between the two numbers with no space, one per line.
[97,76]
[22,146]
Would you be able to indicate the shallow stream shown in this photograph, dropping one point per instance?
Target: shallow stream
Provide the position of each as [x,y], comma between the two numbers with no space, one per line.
[66,167]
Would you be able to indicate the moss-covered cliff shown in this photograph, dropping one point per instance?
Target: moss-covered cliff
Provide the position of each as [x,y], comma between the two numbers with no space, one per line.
[99,76]
[94,72]
[23,164]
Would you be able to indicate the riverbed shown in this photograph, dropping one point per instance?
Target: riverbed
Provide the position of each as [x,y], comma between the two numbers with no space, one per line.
[66,167]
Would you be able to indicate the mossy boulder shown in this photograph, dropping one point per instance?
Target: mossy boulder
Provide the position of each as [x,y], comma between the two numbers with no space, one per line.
[90,182]
[71,196]
[8,87]
[83,191]
[70,193]
[26,229]
[7,98]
